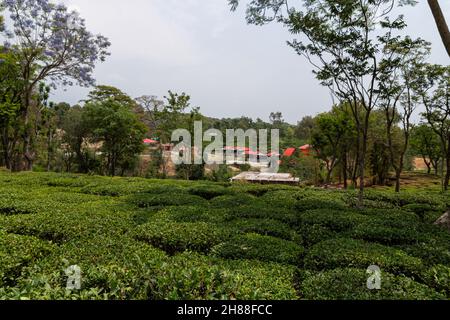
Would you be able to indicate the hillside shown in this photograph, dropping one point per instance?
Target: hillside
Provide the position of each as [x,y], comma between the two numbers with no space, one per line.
[164,239]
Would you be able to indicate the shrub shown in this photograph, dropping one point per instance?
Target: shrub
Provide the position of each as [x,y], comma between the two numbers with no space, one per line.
[346,284]
[16,252]
[419,209]
[332,219]
[110,269]
[313,204]
[192,214]
[438,277]
[68,182]
[266,227]
[264,248]
[312,234]
[262,212]
[175,237]
[431,252]
[343,253]
[282,198]
[387,232]
[232,201]
[190,276]
[208,192]
[152,200]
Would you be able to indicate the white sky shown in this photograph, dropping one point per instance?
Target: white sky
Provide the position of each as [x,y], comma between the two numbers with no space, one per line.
[229,68]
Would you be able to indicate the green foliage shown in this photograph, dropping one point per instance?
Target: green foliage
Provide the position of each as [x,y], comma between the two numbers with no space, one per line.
[173,237]
[388,232]
[265,227]
[208,191]
[332,219]
[113,123]
[351,284]
[192,276]
[144,200]
[264,248]
[349,253]
[438,277]
[16,252]
[166,239]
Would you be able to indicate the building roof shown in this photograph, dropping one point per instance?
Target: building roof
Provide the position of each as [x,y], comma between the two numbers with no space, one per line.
[259,177]
[289,152]
[150,141]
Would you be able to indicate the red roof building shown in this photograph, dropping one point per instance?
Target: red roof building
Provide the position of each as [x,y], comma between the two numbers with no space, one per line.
[289,152]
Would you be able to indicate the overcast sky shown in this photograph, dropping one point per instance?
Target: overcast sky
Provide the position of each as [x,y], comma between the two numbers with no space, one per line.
[229,68]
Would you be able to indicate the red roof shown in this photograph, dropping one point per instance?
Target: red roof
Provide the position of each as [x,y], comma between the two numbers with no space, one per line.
[306,147]
[289,152]
[150,141]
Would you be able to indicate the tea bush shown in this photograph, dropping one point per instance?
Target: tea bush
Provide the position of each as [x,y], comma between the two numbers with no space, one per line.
[264,248]
[173,237]
[16,252]
[166,239]
[350,253]
[144,200]
[332,219]
[351,284]
[266,227]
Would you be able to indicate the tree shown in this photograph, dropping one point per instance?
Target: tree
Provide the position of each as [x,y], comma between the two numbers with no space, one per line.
[52,45]
[426,143]
[398,99]
[114,124]
[327,138]
[75,133]
[343,42]
[433,86]
[10,97]
[304,128]
[440,23]
[276,118]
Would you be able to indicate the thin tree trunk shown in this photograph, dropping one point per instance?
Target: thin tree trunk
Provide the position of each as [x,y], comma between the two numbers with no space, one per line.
[440,23]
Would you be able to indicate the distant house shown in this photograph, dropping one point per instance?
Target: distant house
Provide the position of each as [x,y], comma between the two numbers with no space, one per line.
[306,150]
[266,178]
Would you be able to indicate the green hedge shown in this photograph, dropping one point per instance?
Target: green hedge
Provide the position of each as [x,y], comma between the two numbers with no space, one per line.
[344,253]
[264,248]
[438,277]
[209,191]
[388,232]
[232,201]
[17,252]
[173,237]
[190,276]
[351,284]
[144,200]
[335,220]
[260,211]
[266,227]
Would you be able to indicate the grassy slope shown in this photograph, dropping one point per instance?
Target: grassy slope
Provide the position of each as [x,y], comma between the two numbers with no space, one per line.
[153,239]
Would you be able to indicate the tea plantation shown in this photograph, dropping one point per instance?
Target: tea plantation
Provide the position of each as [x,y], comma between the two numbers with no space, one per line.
[164,239]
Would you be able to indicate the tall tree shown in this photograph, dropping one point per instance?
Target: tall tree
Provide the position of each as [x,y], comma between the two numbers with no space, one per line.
[440,23]
[11,86]
[426,144]
[434,89]
[118,129]
[52,45]
[398,99]
[342,40]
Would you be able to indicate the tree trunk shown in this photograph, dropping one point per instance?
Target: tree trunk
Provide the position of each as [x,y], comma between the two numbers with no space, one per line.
[441,23]
[344,165]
